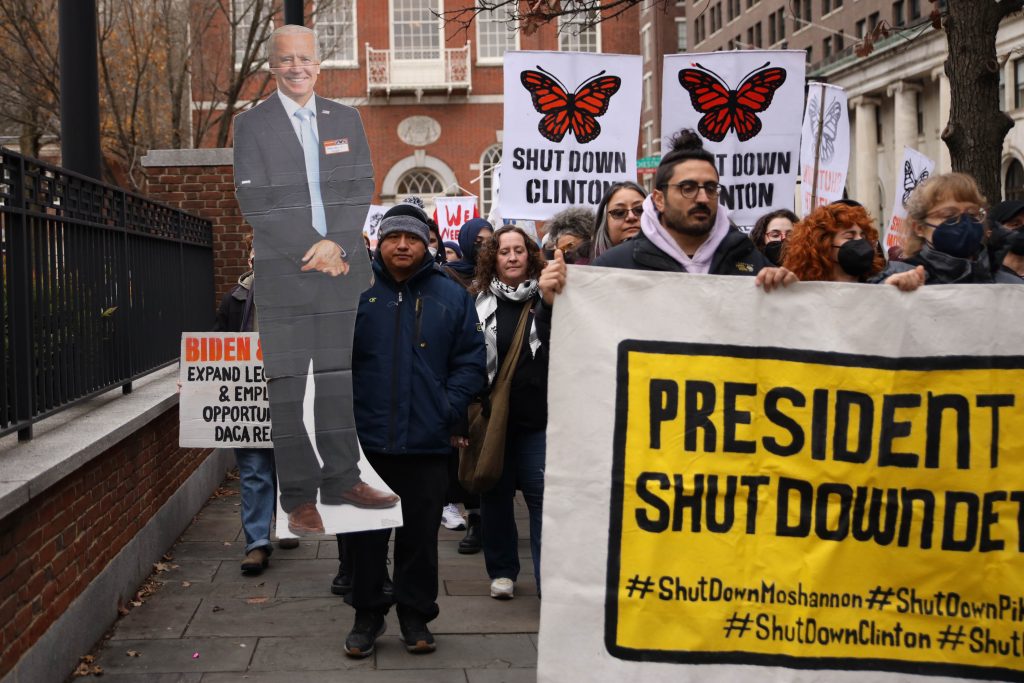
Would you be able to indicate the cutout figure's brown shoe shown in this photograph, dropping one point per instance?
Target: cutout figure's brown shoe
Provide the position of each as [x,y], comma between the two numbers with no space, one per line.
[362,495]
[304,520]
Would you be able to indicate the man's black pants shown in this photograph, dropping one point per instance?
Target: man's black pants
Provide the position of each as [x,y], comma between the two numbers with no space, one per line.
[421,481]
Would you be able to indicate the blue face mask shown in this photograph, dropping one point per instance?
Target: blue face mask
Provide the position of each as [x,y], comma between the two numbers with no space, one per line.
[961,239]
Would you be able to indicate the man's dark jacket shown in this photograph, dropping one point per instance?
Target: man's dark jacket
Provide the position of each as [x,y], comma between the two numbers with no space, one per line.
[736,255]
[417,361]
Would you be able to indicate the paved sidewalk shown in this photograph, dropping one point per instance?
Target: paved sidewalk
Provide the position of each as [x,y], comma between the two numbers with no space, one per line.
[207,622]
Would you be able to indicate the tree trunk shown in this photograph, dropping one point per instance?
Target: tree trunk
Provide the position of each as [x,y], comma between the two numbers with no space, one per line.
[977,126]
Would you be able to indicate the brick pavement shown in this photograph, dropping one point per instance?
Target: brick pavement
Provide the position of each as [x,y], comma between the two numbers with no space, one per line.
[208,623]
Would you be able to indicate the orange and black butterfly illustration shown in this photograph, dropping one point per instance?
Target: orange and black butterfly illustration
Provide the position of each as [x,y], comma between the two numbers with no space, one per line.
[726,109]
[562,111]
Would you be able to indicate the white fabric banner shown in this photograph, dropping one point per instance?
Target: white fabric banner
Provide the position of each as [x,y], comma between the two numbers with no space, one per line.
[915,168]
[451,212]
[745,104]
[833,119]
[698,519]
[572,120]
[372,222]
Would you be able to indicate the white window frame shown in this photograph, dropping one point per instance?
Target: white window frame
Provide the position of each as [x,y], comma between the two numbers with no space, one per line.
[342,63]
[395,55]
[649,140]
[686,34]
[569,41]
[646,46]
[240,31]
[490,60]
[487,179]
[648,92]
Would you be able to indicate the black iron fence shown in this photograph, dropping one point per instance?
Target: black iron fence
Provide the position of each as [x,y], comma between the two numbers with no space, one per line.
[98,284]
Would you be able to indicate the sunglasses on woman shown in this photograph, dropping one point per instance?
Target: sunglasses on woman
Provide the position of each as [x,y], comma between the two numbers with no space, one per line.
[619,214]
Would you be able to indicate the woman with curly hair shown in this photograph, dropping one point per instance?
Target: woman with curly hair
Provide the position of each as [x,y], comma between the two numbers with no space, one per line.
[508,266]
[838,243]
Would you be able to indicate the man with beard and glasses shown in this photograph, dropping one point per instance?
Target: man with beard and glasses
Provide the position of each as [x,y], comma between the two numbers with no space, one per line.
[682,228]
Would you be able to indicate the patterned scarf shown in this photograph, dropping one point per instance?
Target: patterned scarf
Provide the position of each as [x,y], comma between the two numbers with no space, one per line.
[487,311]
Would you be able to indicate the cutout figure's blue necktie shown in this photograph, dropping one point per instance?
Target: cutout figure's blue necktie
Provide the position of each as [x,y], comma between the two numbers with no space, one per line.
[311,152]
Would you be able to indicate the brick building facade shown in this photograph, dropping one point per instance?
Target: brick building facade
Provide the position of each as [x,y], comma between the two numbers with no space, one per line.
[430,93]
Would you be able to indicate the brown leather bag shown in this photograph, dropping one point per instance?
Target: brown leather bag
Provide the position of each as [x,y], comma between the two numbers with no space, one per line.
[481,462]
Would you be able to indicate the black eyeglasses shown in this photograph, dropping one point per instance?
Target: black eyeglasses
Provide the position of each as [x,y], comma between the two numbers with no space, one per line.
[619,214]
[689,188]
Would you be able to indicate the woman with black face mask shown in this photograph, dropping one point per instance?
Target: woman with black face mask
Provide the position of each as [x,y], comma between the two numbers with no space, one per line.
[946,232]
[836,243]
[771,231]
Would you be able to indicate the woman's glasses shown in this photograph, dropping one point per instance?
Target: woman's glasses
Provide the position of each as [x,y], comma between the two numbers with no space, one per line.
[619,214]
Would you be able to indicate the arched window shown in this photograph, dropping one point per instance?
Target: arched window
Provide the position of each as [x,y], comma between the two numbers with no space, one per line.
[490,158]
[1013,188]
[421,182]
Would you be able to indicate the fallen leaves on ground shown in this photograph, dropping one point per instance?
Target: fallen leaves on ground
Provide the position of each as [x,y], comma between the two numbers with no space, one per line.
[86,667]
[133,653]
[256,601]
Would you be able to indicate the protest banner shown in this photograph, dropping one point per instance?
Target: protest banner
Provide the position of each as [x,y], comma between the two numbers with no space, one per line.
[451,212]
[373,218]
[223,391]
[224,404]
[572,120]
[915,168]
[745,104]
[824,146]
[842,498]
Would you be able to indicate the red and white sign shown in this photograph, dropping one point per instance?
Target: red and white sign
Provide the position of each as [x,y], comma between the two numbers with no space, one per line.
[451,212]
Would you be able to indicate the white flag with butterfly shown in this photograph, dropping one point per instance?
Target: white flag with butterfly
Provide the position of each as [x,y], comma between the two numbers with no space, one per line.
[915,168]
[746,105]
[826,135]
[572,120]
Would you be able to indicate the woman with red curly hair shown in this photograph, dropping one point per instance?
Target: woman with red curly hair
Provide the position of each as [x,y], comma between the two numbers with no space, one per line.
[837,243]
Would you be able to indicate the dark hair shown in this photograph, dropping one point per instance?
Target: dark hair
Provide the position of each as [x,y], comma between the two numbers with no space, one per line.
[602,242]
[686,145]
[761,226]
[487,259]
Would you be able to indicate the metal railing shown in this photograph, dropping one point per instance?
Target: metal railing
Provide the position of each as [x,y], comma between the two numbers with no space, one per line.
[450,70]
[97,285]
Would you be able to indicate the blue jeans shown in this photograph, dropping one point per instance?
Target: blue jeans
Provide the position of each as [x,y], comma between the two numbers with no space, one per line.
[259,495]
[524,470]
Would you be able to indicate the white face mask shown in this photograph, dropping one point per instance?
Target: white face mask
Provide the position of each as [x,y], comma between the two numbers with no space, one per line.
[433,251]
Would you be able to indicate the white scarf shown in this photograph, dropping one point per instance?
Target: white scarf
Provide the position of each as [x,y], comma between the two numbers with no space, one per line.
[658,234]
[487,311]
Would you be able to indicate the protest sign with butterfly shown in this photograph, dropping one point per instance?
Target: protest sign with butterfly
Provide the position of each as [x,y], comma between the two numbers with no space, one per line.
[744,104]
[915,168]
[572,120]
[832,146]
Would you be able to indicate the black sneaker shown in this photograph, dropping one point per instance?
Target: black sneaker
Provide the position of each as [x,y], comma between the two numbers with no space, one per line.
[417,637]
[342,583]
[368,627]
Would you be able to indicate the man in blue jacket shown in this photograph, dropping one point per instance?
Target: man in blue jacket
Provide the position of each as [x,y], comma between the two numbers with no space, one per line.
[418,358]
